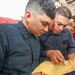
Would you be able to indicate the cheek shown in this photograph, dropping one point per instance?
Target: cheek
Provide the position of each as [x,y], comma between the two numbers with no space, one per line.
[55,28]
[39,26]
[63,28]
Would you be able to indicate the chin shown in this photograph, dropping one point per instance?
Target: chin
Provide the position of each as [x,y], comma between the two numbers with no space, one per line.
[56,33]
[38,34]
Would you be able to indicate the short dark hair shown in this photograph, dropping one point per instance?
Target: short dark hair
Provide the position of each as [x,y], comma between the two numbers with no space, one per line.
[64,11]
[41,7]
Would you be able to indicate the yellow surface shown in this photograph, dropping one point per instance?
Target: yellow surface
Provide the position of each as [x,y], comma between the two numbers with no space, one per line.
[49,68]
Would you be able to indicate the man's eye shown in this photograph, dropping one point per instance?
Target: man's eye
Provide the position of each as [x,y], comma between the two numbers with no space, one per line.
[65,26]
[59,24]
[44,24]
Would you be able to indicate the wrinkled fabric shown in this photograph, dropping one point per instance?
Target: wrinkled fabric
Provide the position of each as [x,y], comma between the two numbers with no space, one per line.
[63,41]
[19,50]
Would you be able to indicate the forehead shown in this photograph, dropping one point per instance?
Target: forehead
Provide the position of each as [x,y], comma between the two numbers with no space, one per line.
[44,18]
[62,19]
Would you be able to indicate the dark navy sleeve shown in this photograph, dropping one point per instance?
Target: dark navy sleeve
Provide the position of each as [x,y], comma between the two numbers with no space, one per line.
[43,38]
[1,55]
[2,50]
[71,44]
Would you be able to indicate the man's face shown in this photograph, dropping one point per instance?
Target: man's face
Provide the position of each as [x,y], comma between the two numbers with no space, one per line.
[39,24]
[59,23]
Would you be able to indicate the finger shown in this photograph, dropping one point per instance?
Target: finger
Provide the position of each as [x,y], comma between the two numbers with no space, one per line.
[71,56]
[36,73]
[55,60]
[42,73]
[60,56]
[60,59]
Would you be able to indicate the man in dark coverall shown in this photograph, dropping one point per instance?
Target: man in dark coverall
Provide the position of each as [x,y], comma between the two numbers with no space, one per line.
[19,45]
[58,43]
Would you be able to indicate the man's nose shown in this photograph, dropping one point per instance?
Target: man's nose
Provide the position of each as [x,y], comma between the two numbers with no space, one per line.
[46,29]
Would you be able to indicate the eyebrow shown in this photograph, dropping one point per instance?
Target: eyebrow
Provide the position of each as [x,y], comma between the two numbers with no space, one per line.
[61,23]
[46,22]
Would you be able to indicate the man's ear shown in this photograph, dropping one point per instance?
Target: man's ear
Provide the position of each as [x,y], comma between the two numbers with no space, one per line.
[28,16]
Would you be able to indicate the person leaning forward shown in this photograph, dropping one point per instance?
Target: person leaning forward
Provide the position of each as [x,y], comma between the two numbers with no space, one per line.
[58,43]
[19,45]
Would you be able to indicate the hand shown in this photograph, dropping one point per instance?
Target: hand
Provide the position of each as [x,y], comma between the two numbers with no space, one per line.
[39,73]
[36,73]
[71,57]
[56,56]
